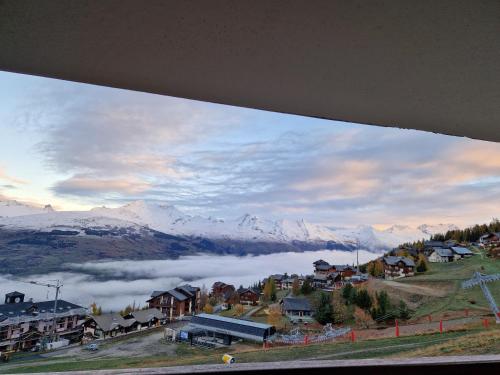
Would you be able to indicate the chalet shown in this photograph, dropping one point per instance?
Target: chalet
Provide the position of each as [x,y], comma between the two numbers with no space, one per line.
[194,295]
[461,252]
[395,267]
[220,289]
[441,255]
[296,308]
[322,268]
[326,282]
[23,325]
[107,325]
[287,283]
[450,243]
[176,303]
[248,296]
[430,245]
[489,239]
[278,280]
[146,318]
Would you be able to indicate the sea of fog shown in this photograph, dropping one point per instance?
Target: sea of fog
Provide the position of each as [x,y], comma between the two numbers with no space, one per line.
[115,284]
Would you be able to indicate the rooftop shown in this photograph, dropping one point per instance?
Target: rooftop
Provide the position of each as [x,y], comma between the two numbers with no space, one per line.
[32,308]
[234,321]
[392,261]
[296,304]
[443,252]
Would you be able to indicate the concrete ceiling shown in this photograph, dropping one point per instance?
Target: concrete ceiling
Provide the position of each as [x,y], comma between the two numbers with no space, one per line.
[428,65]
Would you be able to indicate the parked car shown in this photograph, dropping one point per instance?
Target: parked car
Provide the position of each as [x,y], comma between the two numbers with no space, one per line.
[92,347]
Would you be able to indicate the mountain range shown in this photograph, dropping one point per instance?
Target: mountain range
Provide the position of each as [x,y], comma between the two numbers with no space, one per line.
[167,219]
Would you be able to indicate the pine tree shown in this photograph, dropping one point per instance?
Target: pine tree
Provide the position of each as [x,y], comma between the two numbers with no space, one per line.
[383,306]
[363,299]
[273,291]
[306,288]
[324,311]
[404,312]
[422,265]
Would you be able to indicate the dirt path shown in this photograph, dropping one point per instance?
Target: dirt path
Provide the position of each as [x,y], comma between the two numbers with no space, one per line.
[250,312]
[137,346]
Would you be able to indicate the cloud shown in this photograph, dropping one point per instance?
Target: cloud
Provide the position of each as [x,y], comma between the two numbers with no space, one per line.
[88,185]
[365,175]
[108,134]
[113,146]
[12,181]
[119,283]
[8,186]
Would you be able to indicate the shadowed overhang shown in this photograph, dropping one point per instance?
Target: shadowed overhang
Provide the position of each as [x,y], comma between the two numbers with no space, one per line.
[432,66]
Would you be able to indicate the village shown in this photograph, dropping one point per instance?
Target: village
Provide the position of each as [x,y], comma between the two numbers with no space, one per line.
[334,303]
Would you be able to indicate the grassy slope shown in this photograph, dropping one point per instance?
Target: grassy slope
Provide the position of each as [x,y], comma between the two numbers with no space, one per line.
[398,347]
[450,276]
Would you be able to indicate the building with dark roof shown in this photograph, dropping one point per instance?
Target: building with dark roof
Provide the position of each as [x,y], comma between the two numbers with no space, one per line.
[24,324]
[461,252]
[145,318]
[222,291]
[296,308]
[176,303]
[227,328]
[107,325]
[248,296]
[398,266]
[489,239]
[329,276]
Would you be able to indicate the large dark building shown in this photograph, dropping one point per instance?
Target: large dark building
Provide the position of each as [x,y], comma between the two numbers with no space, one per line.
[23,324]
[227,328]
[176,303]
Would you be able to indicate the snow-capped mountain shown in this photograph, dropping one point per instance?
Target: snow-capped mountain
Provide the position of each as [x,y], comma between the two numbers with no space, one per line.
[12,208]
[168,219]
[435,229]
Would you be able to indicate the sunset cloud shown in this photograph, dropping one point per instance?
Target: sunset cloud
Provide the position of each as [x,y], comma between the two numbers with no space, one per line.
[88,185]
[12,181]
[108,146]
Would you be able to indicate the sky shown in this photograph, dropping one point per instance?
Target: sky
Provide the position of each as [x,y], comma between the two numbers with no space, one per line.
[77,146]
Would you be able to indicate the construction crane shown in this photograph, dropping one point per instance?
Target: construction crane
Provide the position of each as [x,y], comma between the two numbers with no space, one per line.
[57,286]
[481,280]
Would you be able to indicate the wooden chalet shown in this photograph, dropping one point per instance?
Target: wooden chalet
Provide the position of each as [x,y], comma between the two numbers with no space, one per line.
[107,325]
[146,318]
[221,289]
[248,296]
[322,269]
[176,303]
[396,267]
[279,280]
[490,239]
